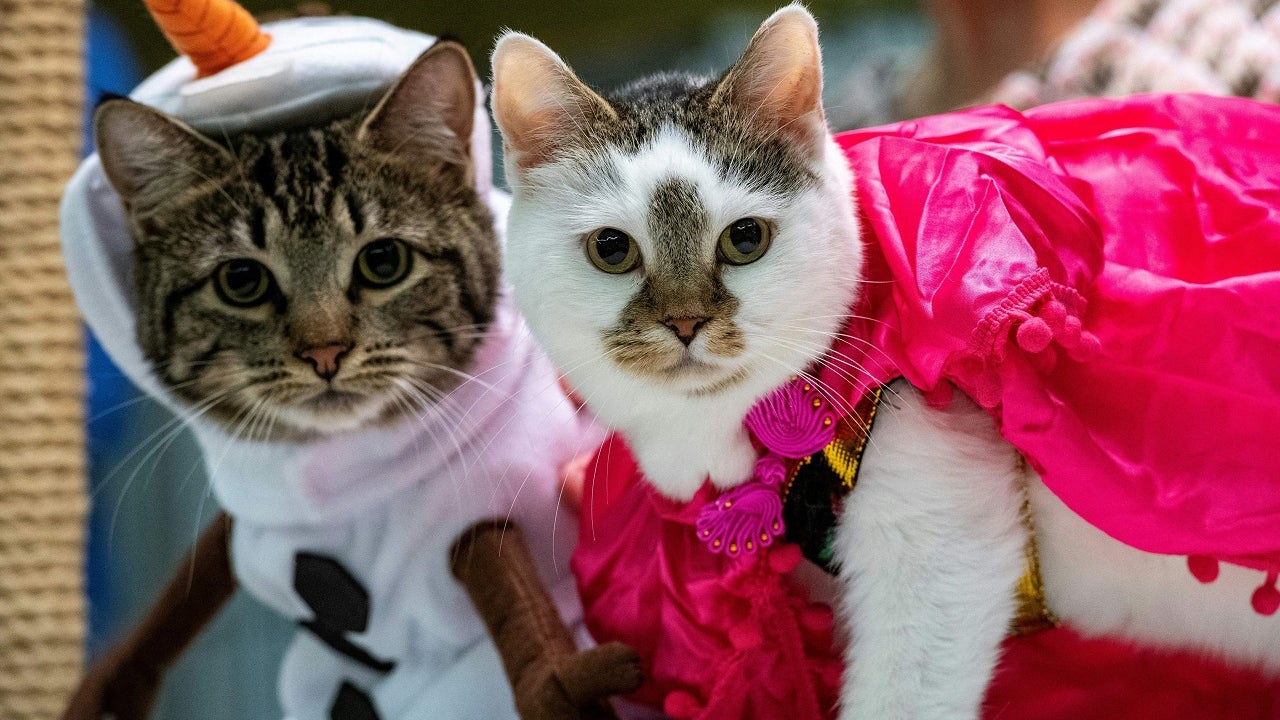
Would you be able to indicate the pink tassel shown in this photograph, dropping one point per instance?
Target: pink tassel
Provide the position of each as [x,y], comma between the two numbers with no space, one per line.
[1266,599]
[1203,568]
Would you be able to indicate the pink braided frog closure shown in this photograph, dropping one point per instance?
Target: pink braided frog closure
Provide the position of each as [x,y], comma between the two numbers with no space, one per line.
[792,422]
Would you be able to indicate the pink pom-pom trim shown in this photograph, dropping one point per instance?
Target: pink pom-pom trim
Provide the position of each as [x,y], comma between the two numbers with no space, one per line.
[1034,335]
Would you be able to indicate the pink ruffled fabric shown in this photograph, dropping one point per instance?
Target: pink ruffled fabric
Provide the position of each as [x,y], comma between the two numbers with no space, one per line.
[720,638]
[1155,223]
[1104,277]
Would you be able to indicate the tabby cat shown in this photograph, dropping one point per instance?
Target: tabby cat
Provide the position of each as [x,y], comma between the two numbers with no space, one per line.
[324,305]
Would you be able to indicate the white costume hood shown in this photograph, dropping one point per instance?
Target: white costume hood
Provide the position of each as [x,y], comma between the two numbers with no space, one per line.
[313,70]
[384,504]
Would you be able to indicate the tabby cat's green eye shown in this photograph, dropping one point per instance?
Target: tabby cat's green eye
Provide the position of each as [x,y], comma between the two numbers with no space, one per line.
[242,282]
[745,241]
[383,263]
[612,251]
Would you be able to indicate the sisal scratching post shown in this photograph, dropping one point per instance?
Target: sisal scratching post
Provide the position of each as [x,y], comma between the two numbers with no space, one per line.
[42,496]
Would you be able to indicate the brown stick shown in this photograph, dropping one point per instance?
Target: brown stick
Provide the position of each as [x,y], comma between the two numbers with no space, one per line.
[551,680]
[125,680]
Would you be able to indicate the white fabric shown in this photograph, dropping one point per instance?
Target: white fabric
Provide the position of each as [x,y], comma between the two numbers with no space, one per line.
[388,503]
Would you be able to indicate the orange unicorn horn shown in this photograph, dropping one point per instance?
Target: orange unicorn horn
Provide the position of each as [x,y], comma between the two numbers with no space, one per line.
[215,34]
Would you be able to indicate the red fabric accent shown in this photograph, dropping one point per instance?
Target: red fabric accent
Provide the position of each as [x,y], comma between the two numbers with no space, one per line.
[1058,675]
[729,639]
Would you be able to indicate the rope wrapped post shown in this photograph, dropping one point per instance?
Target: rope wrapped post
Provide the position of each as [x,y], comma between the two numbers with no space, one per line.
[42,492]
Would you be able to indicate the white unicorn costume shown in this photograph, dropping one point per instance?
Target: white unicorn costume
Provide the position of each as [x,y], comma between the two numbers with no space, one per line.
[350,536]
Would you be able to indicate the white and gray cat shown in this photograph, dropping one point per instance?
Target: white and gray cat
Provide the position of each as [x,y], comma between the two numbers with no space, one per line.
[679,246]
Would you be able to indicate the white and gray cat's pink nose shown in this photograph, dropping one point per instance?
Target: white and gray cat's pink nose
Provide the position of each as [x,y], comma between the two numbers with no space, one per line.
[325,359]
[685,328]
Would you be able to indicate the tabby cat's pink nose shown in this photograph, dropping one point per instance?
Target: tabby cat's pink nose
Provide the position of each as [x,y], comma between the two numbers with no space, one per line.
[324,358]
[685,328]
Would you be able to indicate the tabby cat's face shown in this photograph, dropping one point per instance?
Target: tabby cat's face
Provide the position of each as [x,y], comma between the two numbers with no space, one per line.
[313,280]
[682,234]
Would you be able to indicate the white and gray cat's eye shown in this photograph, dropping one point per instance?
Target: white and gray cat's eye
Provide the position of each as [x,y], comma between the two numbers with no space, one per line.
[613,251]
[744,241]
[243,283]
[383,263]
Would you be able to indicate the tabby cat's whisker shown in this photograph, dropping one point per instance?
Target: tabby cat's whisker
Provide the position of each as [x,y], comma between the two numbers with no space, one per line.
[158,442]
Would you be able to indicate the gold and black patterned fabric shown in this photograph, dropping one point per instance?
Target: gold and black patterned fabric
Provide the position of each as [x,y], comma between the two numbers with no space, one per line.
[818,486]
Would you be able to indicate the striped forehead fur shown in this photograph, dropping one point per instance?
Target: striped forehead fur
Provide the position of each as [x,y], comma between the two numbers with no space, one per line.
[304,202]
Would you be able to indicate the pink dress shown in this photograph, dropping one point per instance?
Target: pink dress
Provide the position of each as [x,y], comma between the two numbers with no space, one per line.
[1104,277]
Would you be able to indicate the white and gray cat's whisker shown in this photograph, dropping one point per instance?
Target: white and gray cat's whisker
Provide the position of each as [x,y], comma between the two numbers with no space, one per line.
[181,418]
[411,396]
[842,316]
[545,388]
[833,358]
[831,352]
[140,399]
[467,378]
[407,406]
[840,335]
[439,401]
[842,404]
[578,450]
[237,424]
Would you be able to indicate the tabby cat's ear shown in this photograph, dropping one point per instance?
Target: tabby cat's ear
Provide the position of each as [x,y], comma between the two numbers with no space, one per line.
[429,113]
[538,102]
[149,157]
[778,80]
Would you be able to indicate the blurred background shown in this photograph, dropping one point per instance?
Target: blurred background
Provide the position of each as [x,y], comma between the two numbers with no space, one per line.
[150,498]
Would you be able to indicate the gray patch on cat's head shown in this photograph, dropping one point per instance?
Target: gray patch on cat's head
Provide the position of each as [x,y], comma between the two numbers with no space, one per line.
[743,150]
[679,284]
[677,221]
[760,122]
[304,203]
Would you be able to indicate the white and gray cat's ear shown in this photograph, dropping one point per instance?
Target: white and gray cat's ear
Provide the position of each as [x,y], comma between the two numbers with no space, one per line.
[538,102]
[149,156]
[430,111]
[778,80]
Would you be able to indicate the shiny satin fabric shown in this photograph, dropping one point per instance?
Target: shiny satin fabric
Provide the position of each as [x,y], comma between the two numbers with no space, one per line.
[718,638]
[1104,277]
[1163,214]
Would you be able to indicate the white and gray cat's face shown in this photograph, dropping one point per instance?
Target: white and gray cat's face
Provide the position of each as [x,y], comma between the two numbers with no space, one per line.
[682,246]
